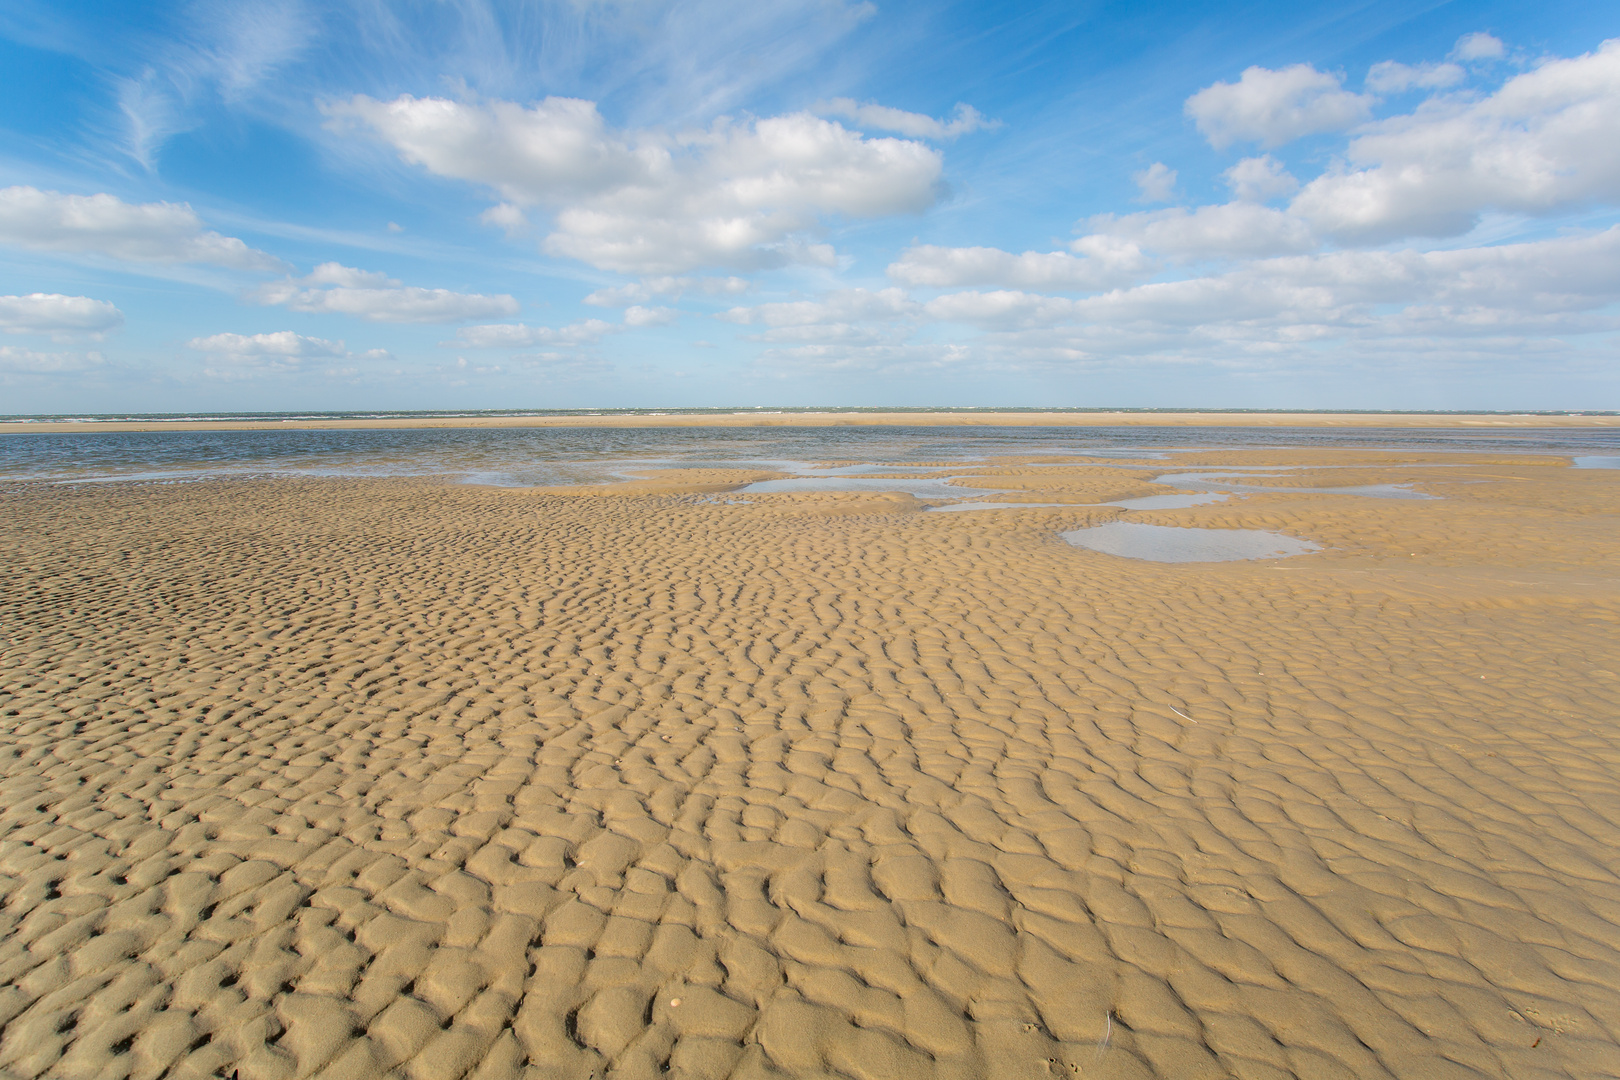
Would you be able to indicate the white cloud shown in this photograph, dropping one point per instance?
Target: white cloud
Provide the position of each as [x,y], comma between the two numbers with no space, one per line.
[1471,304]
[519,336]
[554,151]
[332,273]
[741,193]
[342,290]
[20,361]
[889,359]
[1222,231]
[917,125]
[845,315]
[282,346]
[149,115]
[1157,183]
[1479,46]
[838,306]
[1107,264]
[104,225]
[1513,283]
[53,313]
[1548,140]
[1001,308]
[673,287]
[246,356]
[1257,179]
[639,316]
[1274,107]
[507,217]
[1393,77]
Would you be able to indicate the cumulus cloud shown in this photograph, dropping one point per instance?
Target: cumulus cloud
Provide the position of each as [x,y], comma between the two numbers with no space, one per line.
[102,224]
[347,277]
[520,336]
[1156,183]
[889,359]
[1393,77]
[342,290]
[282,345]
[1274,107]
[1222,231]
[844,315]
[1257,179]
[744,194]
[642,291]
[638,316]
[1479,46]
[53,313]
[282,350]
[917,125]
[1506,298]
[1004,307]
[1548,140]
[19,361]
[1505,285]
[1105,265]
[1517,281]
[555,150]
[1470,305]
[837,306]
[507,217]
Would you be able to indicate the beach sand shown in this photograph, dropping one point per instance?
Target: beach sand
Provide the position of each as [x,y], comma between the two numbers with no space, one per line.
[356,778]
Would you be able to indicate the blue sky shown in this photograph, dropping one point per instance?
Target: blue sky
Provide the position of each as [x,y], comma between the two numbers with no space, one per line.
[340,205]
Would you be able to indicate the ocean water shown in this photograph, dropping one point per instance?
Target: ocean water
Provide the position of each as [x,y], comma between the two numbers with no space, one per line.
[529,456]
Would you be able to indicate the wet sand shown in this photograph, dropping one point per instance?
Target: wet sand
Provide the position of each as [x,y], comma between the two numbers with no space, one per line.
[357,778]
[753,418]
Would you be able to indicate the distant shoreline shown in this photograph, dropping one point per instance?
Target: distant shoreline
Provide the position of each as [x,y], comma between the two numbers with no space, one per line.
[608,418]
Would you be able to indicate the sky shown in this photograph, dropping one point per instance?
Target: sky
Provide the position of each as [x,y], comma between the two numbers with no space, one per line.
[458,204]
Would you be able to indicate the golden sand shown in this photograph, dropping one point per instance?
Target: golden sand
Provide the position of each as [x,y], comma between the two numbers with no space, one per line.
[347,779]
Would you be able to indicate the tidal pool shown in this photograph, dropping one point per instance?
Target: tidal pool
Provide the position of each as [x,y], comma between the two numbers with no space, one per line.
[1171,544]
[1224,481]
[921,487]
[1148,502]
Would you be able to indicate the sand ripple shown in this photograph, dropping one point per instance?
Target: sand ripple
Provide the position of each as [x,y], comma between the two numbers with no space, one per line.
[365,778]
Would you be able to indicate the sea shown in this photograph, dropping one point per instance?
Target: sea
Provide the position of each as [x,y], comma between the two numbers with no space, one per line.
[523,457]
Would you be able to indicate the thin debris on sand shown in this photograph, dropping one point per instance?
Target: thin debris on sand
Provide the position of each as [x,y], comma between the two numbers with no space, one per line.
[361,778]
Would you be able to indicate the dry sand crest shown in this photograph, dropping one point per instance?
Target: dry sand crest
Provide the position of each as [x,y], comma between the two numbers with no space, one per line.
[365,778]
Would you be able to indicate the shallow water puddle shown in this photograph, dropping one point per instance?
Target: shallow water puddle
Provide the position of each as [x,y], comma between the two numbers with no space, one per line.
[1222,481]
[1170,502]
[1148,502]
[922,488]
[949,507]
[1167,543]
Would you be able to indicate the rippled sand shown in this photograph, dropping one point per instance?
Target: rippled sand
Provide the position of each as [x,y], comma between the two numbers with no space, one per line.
[364,778]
